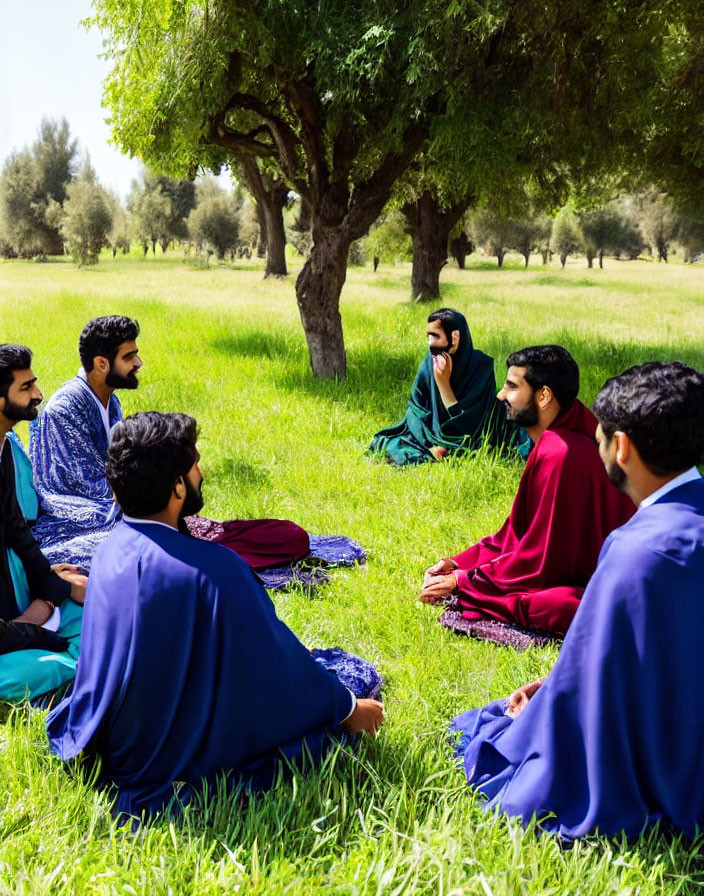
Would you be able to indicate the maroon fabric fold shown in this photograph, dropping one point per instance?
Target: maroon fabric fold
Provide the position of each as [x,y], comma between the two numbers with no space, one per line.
[260,543]
[534,570]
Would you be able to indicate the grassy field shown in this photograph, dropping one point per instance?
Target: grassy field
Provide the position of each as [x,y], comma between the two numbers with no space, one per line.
[227,347]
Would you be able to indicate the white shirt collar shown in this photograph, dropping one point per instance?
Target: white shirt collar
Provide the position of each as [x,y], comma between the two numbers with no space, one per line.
[688,476]
[134,519]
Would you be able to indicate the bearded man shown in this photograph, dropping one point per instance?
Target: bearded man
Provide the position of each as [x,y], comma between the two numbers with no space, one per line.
[533,572]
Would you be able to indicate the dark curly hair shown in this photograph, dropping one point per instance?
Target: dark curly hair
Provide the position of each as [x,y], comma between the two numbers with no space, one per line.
[660,407]
[552,366]
[12,357]
[148,453]
[103,336]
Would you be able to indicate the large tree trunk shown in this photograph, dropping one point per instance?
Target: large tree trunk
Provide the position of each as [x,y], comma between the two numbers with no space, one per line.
[271,196]
[429,227]
[318,290]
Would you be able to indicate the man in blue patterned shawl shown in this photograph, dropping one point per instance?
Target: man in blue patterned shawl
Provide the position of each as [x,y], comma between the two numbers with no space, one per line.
[69,443]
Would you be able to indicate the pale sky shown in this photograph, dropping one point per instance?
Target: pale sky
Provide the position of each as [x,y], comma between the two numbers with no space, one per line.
[49,66]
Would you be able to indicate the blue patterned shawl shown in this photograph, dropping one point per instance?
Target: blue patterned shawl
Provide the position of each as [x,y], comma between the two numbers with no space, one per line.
[68,448]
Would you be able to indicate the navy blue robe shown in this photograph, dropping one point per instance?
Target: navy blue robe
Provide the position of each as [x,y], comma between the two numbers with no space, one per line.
[185,670]
[614,739]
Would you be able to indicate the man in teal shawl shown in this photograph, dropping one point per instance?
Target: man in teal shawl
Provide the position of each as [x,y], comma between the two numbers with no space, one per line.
[30,590]
[453,405]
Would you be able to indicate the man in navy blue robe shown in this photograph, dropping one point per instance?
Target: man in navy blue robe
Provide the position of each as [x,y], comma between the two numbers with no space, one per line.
[185,669]
[612,740]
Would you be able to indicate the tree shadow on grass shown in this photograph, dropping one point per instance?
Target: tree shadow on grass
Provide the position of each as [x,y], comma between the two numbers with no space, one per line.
[270,343]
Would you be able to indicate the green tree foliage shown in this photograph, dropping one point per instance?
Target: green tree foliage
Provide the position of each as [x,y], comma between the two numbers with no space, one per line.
[493,231]
[159,207]
[602,231]
[341,97]
[214,224]
[119,236]
[389,240]
[87,216]
[32,182]
[566,236]
[658,221]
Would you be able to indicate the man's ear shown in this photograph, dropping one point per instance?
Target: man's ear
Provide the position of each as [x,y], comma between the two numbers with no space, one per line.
[623,447]
[544,396]
[101,364]
[455,338]
[179,488]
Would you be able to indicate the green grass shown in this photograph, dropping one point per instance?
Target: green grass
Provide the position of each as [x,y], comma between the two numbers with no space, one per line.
[227,347]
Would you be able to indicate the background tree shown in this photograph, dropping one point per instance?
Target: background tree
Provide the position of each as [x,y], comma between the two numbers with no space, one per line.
[150,211]
[32,180]
[214,223]
[460,245]
[602,230]
[389,240]
[525,235]
[271,195]
[566,237]
[658,221]
[493,231]
[87,216]
[119,235]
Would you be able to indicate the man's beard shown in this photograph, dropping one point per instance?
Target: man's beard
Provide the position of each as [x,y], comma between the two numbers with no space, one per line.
[115,381]
[439,349]
[194,499]
[616,475]
[16,412]
[529,416]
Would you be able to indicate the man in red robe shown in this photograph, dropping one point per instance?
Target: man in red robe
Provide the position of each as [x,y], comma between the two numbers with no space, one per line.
[533,572]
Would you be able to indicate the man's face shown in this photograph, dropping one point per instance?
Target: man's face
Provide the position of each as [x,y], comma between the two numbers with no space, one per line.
[23,397]
[518,397]
[194,490]
[438,341]
[123,370]
[607,453]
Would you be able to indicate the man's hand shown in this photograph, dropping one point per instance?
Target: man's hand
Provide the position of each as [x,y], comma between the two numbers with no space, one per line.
[77,580]
[519,699]
[438,589]
[368,716]
[442,369]
[441,568]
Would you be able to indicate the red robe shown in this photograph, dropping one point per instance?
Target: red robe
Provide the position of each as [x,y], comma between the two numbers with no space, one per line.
[534,570]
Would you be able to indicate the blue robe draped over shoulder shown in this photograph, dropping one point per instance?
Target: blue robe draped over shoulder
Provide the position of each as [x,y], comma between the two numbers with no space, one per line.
[185,670]
[614,739]
[68,447]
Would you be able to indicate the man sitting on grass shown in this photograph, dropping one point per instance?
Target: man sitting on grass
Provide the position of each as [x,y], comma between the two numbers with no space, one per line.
[612,739]
[533,572]
[69,445]
[185,668]
[453,402]
[30,590]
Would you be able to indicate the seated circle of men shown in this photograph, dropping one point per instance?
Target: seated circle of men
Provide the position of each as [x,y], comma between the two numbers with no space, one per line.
[186,671]
[68,448]
[611,740]
[453,405]
[533,571]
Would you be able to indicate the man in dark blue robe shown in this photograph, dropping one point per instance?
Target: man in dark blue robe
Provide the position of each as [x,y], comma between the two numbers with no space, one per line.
[185,669]
[612,740]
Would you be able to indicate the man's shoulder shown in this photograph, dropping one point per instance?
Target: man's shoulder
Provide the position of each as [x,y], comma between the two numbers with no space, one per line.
[566,446]
[66,397]
[664,531]
[182,554]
